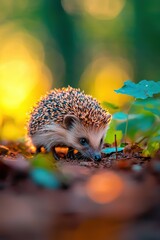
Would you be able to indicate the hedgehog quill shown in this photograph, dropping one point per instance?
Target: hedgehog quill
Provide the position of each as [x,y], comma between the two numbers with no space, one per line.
[68,117]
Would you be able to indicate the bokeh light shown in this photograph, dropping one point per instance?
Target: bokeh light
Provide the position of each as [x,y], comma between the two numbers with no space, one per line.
[103,76]
[104,187]
[100,9]
[104,9]
[23,79]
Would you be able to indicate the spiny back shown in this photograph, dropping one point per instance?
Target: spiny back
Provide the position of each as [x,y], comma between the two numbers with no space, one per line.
[53,107]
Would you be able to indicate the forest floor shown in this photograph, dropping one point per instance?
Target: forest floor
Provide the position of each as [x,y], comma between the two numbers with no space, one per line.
[117,198]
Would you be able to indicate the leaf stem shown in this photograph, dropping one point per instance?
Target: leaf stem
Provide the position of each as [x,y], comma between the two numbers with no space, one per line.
[126,128]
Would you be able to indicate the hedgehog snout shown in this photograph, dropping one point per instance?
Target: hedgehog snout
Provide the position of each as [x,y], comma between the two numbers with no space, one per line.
[97,156]
[92,154]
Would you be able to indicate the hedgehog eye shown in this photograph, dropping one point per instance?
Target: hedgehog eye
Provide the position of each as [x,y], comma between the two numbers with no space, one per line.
[83,141]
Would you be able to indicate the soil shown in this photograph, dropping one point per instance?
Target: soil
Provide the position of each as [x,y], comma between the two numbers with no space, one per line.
[116,198]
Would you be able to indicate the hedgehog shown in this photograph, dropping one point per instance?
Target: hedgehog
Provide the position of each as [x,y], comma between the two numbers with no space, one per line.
[68,117]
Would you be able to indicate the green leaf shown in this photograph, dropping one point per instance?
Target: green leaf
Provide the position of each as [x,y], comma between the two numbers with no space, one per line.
[109,105]
[142,90]
[112,150]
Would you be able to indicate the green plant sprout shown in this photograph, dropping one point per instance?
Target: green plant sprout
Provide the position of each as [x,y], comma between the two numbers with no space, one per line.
[141,120]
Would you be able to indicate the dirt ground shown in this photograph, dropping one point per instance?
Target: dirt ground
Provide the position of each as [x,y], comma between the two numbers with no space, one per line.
[116,198]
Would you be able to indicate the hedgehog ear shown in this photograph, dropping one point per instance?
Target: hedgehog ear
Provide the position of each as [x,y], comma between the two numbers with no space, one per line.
[69,121]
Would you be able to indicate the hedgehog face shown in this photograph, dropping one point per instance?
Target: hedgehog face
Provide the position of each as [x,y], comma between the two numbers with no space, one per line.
[88,140]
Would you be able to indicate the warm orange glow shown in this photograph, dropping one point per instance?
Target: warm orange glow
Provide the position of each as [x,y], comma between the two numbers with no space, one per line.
[104,187]
[32,148]
[100,9]
[62,151]
[23,79]
[105,75]
[19,73]
[75,151]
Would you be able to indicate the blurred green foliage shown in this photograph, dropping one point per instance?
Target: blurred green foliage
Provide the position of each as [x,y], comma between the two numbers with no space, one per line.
[142,120]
